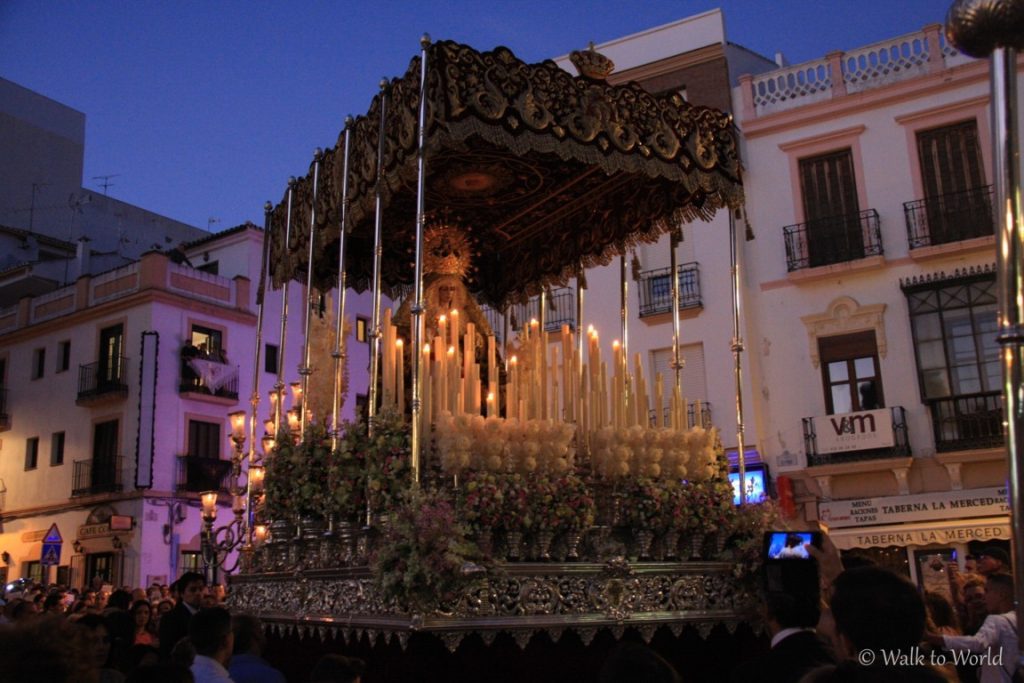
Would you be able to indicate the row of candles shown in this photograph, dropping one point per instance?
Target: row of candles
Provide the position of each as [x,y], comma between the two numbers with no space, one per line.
[544,380]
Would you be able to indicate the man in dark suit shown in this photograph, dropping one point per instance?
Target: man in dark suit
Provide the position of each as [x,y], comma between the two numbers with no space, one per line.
[174,624]
[796,648]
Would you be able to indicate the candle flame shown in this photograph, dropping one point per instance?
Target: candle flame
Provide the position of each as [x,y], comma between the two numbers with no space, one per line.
[513,359]
[442,319]
[590,329]
[451,350]
[490,396]
[426,348]
[616,344]
[533,322]
[399,343]
[454,313]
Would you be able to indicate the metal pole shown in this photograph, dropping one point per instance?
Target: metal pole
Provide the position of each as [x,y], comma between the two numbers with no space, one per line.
[624,324]
[416,354]
[584,439]
[980,29]
[1010,252]
[304,369]
[378,252]
[677,361]
[254,399]
[339,343]
[737,353]
[542,319]
[279,385]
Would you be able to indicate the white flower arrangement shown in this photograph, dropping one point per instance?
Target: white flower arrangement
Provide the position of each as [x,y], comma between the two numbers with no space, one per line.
[644,452]
[472,442]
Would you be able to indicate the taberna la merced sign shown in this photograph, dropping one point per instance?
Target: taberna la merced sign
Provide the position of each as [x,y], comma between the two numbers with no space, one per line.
[986,502]
[859,431]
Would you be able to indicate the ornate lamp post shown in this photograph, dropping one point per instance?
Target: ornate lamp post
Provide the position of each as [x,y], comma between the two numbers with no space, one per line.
[218,543]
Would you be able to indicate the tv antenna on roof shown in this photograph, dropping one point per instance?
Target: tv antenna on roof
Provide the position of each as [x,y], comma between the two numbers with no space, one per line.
[106,181]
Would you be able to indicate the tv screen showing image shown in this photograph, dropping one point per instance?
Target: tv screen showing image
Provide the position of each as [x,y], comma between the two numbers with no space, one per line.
[756,488]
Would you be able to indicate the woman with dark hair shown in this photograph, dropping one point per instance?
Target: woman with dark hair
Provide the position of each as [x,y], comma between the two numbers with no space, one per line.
[145,634]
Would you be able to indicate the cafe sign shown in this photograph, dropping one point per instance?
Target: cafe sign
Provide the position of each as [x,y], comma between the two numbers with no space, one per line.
[859,431]
[987,502]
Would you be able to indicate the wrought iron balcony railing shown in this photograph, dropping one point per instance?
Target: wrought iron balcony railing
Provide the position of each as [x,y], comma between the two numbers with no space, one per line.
[900,444]
[950,217]
[966,422]
[97,475]
[197,474]
[836,239]
[103,378]
[691,415]
[655,289]
[561,311]
[193,382]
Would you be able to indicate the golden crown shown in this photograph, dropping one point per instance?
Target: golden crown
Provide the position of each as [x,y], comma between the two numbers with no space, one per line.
[591,63]
[448,250]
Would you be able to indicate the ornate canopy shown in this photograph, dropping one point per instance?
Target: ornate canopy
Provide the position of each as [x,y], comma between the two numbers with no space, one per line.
[543,169]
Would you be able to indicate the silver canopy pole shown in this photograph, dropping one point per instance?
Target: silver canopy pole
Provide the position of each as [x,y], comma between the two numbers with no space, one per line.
[279,385]
[378,252]
[339,343]
[304,369]
[983,28]
[416,355]
[737,352]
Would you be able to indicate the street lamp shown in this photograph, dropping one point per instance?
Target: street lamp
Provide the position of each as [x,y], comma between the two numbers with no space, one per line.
[218,543]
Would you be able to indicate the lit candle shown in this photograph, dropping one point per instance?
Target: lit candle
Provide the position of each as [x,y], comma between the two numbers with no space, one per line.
[259,533]
[489,406]
[512,409]
[440,375]
[400,374]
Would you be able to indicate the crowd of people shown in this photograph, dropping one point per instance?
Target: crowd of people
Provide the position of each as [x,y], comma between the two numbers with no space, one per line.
[866,623]
[180,633]
[861,623]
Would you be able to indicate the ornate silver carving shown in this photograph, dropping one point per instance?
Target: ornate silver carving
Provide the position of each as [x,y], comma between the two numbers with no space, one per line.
[521,599]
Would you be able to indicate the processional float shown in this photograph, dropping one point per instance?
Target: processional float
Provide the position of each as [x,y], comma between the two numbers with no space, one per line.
[559,491]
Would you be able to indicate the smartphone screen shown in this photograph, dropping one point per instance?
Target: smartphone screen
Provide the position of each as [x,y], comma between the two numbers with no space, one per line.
[788,545]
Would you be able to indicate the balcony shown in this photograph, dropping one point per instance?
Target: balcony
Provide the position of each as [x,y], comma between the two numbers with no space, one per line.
[950,217]
[103,380]
[655,289]
[98,475]
[968,422]
[197,474]
[849,437]
[5,419]
[561,311]
[836,239]
[691,416]
[208,375]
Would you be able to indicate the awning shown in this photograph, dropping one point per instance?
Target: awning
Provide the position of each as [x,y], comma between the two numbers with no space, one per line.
[939,532]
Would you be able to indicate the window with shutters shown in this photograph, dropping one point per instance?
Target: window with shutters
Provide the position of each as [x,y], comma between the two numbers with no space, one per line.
[957,203]
[204,439]
[850,372]
[832,222]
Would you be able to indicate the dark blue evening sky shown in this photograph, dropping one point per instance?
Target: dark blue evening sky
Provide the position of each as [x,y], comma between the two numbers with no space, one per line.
[205,108]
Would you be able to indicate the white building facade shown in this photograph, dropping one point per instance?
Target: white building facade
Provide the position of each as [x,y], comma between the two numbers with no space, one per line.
[871,300]
[110,432]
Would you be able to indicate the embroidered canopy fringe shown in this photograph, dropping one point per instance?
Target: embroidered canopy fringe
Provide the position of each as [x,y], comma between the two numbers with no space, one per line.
[546,169]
